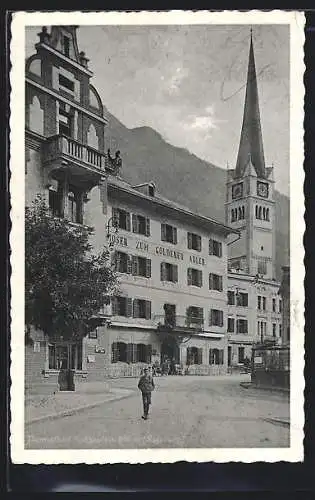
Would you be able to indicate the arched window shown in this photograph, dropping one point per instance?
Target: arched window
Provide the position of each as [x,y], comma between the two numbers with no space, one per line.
[216,357]
[92,137]
[267,214]
[264,213]
[194,356]
[256,211]
[243,212]
[259,212]
[36,116]
[239,212]
[232,215]
[74,206]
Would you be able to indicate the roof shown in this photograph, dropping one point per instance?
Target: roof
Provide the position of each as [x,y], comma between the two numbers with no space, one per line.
[120,184]
[251,143]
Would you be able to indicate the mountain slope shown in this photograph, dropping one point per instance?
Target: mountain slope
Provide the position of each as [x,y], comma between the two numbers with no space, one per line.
[185,178]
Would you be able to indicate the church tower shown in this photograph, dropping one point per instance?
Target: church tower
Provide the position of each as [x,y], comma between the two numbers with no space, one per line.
[250,205]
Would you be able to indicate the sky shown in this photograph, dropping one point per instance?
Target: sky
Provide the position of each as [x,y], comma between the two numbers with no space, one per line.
[188,83]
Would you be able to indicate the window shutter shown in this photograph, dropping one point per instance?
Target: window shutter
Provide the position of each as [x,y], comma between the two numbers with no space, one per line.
[189,240]
[175,273]
[200,278]
[210,317]
[148,268]
[200,315]
[129,264]
[199,243]
[136,308]
[163,232]
[148,309]
[219,249]
[135,224]
[211,247]
[114,301]
[115,216]
[114,352]
[129,306]
[129,353]
[163,271]
[175,235]
[220,318]
[135,265]
[149,353]
[189,276]
[221,356]
[199,356]
[147,227]
[210,281]
[128,221]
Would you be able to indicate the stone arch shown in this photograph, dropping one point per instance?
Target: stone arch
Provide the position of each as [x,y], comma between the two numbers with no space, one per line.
[36,116]
[95,99]
[92,137]
[35,66]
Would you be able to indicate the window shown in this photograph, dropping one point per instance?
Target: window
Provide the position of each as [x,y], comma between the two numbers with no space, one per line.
[216,356]
[241,212]
[215,282]
[280,306]
[122,262]
[261,303]
[61,356]
[231,325]
[66,83]
[233,215]
[231,298]
[215,317]
[140,225]
[169,233]
[65,123]
[75,206]
[267,214]
[262,267]
[194,356]
[274,326]
[241,326]
[93,334]
[194,315]
[264,303]
[169,272]
[131,353]
[194,277]
[142,309]
[280,331]
[194,241]
[261,329]
[242,299]
[141,266]
[241,354]
[66,45]
[56,202]
[121,218]
[215,248]
[121,306]
[273,305]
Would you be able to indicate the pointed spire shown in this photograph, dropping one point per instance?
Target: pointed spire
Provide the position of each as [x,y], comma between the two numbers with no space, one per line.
[251,143]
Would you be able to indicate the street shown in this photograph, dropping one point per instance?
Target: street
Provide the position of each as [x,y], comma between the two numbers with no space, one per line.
[207,412]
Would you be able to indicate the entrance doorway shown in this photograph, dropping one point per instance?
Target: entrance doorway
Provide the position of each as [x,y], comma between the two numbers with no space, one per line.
[229,355]
[170,352]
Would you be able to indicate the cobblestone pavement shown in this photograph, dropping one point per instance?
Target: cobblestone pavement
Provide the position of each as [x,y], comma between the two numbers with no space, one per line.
[186,412]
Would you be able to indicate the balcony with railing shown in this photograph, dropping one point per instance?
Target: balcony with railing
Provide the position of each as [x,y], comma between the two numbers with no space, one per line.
[179,324]
[63,152]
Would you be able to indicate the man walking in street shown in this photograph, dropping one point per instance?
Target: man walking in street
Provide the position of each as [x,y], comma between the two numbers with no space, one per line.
[146,386]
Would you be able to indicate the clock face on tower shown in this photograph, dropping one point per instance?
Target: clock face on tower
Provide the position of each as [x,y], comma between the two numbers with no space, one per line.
[262,189]
[237,190]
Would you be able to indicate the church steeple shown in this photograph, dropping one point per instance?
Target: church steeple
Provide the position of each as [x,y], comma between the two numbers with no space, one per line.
[251,143]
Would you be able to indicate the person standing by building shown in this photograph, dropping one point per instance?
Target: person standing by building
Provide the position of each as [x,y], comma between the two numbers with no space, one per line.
[146,386]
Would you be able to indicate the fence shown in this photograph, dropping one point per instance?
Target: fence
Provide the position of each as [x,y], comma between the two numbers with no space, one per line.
[117,370]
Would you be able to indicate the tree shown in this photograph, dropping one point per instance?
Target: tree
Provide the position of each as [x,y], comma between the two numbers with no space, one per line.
[66,285]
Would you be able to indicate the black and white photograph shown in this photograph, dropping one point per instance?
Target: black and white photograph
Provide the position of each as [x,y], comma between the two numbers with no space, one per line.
[157,308]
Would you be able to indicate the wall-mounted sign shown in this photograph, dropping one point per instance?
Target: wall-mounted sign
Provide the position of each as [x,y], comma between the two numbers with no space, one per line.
[99,349]
[91,358]
[114,239]
[167,252]
[194,259]
[36,346]
[142,245]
